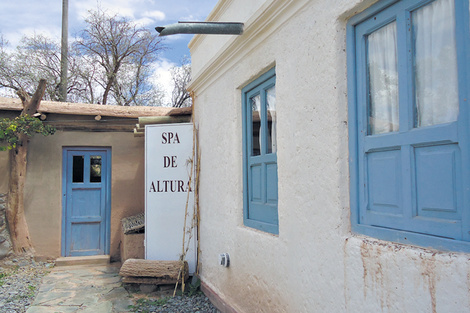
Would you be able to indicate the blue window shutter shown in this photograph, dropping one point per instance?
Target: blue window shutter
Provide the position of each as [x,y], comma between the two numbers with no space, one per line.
[260,171]
[411,185]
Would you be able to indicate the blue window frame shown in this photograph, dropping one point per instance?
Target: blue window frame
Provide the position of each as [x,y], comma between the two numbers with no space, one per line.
[260,154]
[408,67]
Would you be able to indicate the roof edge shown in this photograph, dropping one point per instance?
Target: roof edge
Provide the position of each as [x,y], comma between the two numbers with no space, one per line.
[14,104]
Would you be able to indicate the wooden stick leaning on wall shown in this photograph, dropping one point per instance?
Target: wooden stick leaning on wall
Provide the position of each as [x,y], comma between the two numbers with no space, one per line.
[196,199]
[194,220]
[197,155]
[183,252]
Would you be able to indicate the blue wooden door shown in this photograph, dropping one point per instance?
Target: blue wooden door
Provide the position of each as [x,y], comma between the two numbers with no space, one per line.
[86,202]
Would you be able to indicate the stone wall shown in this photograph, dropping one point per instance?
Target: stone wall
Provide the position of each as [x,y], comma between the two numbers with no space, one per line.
[5,243]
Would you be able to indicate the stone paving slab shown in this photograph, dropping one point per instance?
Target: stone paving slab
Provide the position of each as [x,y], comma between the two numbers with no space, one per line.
[52,309]
[83,289]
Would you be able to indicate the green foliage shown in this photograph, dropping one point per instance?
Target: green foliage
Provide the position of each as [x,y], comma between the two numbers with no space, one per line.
[194,286]
[11,129]
[143,305]
[32,292]
[2,276]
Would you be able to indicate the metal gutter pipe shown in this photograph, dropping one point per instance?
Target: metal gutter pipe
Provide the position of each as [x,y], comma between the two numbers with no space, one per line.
[213,28]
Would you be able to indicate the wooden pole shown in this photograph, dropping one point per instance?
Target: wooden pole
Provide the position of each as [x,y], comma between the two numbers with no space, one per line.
[64,51]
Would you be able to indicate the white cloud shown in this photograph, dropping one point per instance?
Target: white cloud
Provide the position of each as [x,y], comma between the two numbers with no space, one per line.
[26,17]
[14,37]
[126,8]
[150,18]
[163,79]
[189,18]
[50,32]
[155,15]
[177,37]
[144,22]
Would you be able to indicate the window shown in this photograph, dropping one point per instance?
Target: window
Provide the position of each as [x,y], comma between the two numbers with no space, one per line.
[259,154]
[95,169]
[408,63]
[78,166]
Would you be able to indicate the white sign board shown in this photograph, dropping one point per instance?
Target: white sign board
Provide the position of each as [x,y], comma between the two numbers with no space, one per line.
[168,149]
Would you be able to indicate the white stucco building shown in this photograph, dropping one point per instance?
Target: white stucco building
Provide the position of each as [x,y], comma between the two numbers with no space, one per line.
[335,156]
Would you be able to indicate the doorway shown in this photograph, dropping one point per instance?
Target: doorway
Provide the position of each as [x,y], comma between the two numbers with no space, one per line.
[86,191]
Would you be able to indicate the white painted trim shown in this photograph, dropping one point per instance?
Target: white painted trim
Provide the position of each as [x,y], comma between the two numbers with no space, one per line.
[214,16]
[264,22]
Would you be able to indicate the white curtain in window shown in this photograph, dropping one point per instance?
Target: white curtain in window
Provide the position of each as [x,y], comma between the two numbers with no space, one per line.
[436,86]
[272,119]
[383,80]
[256,125]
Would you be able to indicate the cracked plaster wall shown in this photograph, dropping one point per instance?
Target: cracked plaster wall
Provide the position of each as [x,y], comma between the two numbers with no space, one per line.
[315,264]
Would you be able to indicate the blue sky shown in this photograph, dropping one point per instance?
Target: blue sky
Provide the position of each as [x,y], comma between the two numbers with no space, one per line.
[26,17]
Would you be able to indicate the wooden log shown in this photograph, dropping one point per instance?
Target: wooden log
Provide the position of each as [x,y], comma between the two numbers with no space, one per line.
[137,133]
[92,126]
[149,281]
[31,106]
[148,120]
[181,111]
[152,268]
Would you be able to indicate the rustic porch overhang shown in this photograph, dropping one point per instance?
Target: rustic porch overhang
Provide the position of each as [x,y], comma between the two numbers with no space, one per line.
[94,117]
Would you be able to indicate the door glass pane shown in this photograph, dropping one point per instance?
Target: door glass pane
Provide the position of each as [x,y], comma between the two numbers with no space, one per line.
[95,169]
[435,64]
[77,168]
[383,80]
[256,121]
[271,110]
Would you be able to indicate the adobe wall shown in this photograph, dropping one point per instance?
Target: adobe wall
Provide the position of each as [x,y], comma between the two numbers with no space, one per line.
[43,190]
[315,264]
[4,171]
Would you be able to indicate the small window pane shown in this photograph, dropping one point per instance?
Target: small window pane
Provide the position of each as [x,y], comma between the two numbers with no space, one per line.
[256,123]
[383,80]
[271,110]
[95,169]
[435,64]
[77,168]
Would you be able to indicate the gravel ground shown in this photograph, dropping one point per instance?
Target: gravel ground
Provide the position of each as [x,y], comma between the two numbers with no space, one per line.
[20,278]
[162,301]
[197,303]
[19,282]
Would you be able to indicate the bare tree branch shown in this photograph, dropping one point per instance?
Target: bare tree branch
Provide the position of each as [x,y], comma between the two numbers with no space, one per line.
[114,42]
[110,62]
[181,76]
